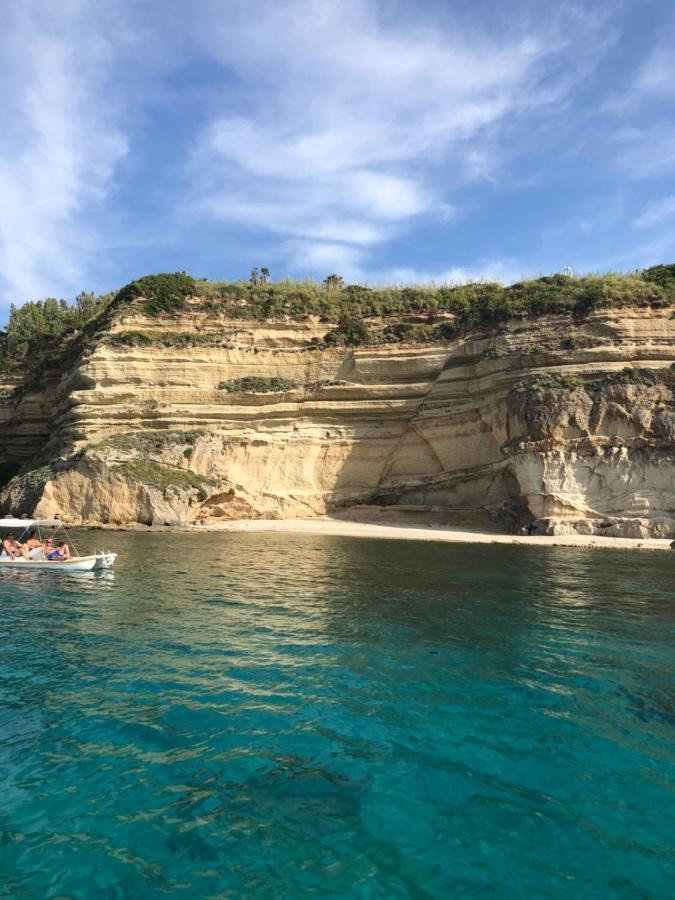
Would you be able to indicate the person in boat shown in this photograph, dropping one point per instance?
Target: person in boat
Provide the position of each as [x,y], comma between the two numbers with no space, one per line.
[34,546]
[12,548]
[56,554]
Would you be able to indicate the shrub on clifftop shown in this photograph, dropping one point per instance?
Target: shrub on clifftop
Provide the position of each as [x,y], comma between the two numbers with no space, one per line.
[664,276]
[164,293]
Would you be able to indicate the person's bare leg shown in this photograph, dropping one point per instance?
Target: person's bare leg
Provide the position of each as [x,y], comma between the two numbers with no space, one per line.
[66,551]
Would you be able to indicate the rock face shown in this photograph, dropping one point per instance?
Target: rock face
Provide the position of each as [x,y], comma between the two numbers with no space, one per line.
[537,425]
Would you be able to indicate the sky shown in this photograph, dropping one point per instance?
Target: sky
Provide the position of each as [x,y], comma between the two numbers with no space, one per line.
[388,142]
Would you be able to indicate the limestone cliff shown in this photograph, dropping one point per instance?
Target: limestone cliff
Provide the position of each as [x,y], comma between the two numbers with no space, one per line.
[569,426]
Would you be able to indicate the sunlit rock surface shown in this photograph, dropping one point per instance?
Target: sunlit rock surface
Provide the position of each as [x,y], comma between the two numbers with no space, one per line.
[152,434]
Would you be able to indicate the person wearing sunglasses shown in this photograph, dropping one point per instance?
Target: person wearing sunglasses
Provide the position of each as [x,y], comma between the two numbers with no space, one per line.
[61,552]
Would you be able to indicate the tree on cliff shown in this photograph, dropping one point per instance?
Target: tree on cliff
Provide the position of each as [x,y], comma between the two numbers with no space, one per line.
[45,320]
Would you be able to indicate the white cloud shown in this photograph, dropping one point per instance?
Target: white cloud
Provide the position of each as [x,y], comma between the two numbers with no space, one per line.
[657,74]
[311,256]
[345,127]
[326,129]
[656,212]
[652,81]
[645,140]
[60,148]
[505,271]
[647,152]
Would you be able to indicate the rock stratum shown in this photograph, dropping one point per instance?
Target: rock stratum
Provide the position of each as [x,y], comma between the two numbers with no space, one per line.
[551,424]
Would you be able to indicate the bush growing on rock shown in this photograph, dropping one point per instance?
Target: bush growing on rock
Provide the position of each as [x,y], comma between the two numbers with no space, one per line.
[162,477]
[254,385]
[349,332]
[577,341]
[148,442]
[166,339]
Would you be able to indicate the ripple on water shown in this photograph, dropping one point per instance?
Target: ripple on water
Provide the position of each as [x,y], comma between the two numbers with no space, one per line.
[288,715]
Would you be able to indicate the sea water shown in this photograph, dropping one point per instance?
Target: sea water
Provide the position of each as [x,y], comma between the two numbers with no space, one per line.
[265,715]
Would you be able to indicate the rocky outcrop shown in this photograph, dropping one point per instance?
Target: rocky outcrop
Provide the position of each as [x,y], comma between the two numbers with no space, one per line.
[191,416]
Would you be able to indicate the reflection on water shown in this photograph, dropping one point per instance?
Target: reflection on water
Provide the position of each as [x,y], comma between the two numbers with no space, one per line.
[276,715]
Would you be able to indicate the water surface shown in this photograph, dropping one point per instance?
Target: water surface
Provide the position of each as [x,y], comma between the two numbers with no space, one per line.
[287,716]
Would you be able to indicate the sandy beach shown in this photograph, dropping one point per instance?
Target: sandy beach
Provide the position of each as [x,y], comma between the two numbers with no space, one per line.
[431,532]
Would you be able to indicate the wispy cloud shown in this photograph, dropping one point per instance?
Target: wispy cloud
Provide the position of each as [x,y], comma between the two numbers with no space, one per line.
[321,136]
[656,76]
[505,271]
[656,213]
[647,152]
[645,148]
[353,126]
[59,147]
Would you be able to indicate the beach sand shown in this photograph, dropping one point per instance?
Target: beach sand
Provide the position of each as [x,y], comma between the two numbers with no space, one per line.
[343,527]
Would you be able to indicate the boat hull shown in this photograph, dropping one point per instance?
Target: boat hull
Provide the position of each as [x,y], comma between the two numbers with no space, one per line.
[79,564]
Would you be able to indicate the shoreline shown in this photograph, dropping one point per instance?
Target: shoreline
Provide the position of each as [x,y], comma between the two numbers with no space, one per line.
[325,525]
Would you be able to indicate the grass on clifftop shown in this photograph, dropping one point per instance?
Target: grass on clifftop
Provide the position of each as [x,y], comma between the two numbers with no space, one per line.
[163,293]
[472,304]
[53,332]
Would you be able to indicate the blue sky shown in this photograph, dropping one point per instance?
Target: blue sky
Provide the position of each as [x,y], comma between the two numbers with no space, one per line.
[385,141]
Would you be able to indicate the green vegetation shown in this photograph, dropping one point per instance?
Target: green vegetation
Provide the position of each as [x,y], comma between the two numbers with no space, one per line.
[130,339]
[42,324]
[664,276]
[352,333]
[627,376]
[253,385]
[349,332]
[148,442]
[481,303]
[166,339]
[419,334]
[54,333]
[577,341]
[164,293]
[495,353]
[164,478]
[551,381]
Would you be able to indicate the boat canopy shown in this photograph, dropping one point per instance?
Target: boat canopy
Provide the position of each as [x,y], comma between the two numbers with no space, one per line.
[15,524]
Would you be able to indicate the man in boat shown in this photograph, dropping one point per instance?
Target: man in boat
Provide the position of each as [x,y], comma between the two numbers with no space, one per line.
[13,548]
[34,546]
[54,554]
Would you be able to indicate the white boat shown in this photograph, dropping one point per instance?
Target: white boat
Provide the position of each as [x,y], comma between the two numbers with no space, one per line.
[99,559]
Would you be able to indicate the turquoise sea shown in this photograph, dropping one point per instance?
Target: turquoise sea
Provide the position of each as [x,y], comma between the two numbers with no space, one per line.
[281,716]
